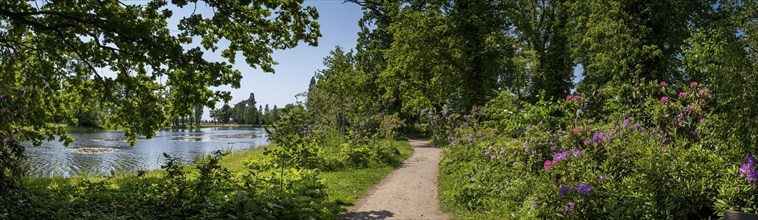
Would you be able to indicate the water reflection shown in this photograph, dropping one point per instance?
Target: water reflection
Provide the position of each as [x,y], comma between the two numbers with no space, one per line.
[106,153]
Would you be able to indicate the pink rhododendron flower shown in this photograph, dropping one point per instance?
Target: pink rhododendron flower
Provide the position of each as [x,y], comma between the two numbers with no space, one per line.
[664,99]
[682,94]
[548,164]
[693,84]
[703,91]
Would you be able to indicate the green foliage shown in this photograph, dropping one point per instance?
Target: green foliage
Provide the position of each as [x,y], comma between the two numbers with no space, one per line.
[444,56]
[388,129]
[214,187]
[664,161]
[345,98]
[52,54]
[290,135]
[91,116]
[542,31]
[715,54]
[615,50]
[208,191]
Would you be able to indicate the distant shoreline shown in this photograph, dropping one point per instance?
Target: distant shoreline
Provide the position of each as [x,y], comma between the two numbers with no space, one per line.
[75,129]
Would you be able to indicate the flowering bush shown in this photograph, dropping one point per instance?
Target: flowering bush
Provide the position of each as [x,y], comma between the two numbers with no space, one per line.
[661,162]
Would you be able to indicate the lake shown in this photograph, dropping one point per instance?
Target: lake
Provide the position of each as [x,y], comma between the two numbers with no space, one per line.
[106,153]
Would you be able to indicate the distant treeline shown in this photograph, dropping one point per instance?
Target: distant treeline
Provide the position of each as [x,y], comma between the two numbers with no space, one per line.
[246,112]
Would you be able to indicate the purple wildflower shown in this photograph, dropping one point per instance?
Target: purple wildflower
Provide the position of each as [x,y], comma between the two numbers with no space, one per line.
[635,126]
[492,157]
[502,152]
[534,203]
[560,155]
[752,177]
[577,153]
[552,146]
[625,123]
[748,166]
[2,98]
[750,159]
[666,141]
[569,206]
[597,138]
[583,188]
[748,169]
[490,147]
[563,191]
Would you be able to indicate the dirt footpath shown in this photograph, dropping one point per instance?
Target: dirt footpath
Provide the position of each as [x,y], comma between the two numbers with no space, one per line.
[410,192]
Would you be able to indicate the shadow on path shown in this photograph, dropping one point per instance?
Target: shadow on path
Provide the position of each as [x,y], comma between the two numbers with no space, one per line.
[368,215]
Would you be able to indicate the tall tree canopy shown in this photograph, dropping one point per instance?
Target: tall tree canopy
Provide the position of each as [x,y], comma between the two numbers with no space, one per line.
[622,44]
[51,53]
[542,31]
[446,55]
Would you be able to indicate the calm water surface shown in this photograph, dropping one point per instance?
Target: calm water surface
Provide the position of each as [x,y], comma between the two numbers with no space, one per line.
[106,153]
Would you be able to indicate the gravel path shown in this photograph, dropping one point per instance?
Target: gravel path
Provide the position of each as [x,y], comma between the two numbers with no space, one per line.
[410,192]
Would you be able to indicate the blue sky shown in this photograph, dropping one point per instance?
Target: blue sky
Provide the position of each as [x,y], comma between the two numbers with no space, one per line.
[339,26]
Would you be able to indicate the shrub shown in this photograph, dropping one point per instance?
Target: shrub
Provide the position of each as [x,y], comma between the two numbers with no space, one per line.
[663,161]
[205,192]
[389,126]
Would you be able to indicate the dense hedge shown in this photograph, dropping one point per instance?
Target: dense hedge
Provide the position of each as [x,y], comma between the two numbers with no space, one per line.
[661,161]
